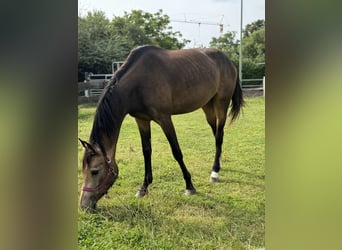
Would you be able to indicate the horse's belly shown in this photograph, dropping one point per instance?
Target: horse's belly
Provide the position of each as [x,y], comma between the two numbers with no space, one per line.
[190,102]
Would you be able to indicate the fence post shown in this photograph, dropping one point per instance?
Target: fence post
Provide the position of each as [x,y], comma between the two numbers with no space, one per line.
[263,86]
[86,91]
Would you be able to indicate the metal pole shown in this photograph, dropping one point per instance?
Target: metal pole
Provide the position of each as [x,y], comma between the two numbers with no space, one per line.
[263,86]
[240,56]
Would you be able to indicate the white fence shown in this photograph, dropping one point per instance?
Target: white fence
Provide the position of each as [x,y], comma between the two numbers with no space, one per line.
[254,89]
[91,89]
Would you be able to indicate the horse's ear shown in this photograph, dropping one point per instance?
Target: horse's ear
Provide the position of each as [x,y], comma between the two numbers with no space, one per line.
[86,145]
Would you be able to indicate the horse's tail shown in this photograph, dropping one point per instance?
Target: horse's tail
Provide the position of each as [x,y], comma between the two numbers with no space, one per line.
[237,101]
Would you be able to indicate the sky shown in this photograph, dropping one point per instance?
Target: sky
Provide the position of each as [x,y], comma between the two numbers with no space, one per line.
[226,12]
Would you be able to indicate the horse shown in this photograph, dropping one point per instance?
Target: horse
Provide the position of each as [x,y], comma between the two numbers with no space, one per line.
[152,85]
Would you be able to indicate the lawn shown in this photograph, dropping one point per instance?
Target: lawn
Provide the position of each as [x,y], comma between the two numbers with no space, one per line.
[229,214]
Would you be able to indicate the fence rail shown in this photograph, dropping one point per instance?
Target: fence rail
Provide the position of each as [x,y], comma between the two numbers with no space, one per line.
[254,89]
[87,92]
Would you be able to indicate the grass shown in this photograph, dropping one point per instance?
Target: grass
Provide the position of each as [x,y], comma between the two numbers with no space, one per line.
[229,214]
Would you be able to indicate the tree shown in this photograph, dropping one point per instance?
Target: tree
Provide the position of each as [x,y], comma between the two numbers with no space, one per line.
[146,28]
[254,46]
[252,27]
[97,48]
[102,41]
[253,49]
[228,44]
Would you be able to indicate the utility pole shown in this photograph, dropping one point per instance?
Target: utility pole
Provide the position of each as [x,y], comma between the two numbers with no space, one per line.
[240,57]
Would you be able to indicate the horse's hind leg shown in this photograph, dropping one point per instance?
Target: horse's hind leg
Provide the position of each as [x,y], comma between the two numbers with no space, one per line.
[216,114]
[210,115]
[169,130]
[145,133]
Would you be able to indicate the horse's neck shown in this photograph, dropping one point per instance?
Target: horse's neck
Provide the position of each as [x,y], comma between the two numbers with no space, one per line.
[110,143]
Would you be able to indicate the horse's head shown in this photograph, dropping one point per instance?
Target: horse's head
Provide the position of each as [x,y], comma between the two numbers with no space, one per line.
[99,174]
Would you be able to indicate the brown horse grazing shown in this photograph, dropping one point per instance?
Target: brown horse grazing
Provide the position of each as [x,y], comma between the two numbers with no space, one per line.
[154,84]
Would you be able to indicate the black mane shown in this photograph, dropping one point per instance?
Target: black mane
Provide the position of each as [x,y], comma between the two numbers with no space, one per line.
[104,121]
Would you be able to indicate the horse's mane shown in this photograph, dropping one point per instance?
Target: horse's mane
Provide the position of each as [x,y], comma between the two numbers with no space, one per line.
[105,121]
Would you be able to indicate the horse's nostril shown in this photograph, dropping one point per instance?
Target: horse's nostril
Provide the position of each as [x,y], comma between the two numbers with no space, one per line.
[94,172]
[90,208]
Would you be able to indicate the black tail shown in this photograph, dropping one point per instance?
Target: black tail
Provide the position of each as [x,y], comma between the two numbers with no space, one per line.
[237,101]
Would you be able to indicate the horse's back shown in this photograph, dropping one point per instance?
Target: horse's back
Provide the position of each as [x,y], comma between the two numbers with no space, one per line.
[192,78]
[175,81]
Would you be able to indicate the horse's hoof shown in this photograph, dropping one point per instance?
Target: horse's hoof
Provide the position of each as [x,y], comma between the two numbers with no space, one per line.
[190,191]
[141,193]
[214,177]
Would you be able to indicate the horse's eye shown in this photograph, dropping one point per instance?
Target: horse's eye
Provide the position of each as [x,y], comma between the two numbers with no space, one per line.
[94,172]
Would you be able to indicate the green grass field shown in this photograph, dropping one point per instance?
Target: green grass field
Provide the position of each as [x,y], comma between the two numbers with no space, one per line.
[229,214]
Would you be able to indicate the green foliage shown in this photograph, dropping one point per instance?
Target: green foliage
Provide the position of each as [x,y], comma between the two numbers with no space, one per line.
[97,46]
[228,44]
[229,214]
[102,41]
[252,27]
[254,55]
[253,49]
[254,45]
[145,28]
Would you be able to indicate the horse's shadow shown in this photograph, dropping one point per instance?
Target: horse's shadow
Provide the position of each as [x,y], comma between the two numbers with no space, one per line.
[136,210]
[130,212]
[249,179]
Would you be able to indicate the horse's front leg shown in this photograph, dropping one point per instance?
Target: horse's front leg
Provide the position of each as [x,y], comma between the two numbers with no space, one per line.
[170,132]
[145,134]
